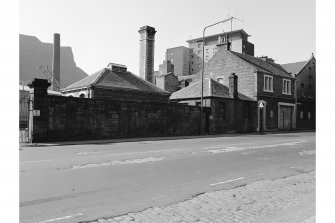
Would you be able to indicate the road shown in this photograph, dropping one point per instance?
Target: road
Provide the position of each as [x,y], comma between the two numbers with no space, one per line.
[76,183]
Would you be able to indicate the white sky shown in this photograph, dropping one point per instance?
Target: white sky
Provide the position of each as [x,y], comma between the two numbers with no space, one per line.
[103,31]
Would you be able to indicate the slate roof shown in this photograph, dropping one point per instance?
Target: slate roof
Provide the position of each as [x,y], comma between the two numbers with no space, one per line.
[105,78]
[212,88]
[163,74]
[262,65]
[294,68]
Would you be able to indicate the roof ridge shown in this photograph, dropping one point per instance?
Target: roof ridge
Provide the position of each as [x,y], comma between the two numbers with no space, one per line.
[98,76]
[147,82]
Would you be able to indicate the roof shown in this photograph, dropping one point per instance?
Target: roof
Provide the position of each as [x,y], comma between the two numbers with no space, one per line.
[106,78]
[185,77]
[219,34]
[212,88]
[262,65]
[163,74]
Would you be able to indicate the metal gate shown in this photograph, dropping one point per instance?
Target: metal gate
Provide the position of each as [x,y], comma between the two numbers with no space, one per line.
[24,114]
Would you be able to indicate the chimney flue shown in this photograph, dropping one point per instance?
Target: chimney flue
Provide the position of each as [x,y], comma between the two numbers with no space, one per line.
[147,50]
[56,63]
[233,92]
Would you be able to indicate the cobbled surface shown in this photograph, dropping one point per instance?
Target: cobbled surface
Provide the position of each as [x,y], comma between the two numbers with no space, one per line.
[254,202]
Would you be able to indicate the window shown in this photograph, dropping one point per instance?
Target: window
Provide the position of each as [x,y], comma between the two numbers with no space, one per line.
[301,114]
[271,114]
[82,95]
[220,80]
[268,83]
[207,50]
[199,45]
[310,91]
[309,115]
[286,86]
[198,104]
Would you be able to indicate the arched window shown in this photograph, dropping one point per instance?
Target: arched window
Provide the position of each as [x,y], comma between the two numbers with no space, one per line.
[82,95]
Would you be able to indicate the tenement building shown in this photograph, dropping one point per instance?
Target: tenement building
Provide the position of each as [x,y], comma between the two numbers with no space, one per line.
[188,61]
[305,74]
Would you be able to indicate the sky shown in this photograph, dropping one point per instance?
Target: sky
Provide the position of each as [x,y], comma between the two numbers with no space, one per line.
[104,31]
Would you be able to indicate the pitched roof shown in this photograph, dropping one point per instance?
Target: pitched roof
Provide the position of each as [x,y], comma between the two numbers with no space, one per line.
[212,88]
[106,78]
[273,68]
[294,68]
[164,74]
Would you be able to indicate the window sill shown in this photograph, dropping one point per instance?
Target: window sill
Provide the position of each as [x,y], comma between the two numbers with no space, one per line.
[268,91]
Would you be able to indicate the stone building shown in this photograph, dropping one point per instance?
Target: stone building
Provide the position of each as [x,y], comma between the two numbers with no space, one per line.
[229,111]
[147,52]
[305,74]
[167,82]
[165,78]
[116,83]
[260,79]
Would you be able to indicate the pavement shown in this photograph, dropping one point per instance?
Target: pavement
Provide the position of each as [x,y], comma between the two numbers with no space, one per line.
[104,141]
[290,200]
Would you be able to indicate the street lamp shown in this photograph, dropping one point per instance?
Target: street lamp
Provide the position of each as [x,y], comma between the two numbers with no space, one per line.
[203,66]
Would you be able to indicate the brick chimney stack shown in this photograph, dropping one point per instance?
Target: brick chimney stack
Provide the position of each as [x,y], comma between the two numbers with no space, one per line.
[56,63]
[233,92]
[147,50]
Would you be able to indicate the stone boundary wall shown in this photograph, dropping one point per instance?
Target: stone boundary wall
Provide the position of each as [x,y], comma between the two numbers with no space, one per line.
[68,118]
[71,118]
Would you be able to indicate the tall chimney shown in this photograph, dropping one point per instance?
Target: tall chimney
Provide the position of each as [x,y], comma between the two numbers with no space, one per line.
[233,86]
[147,47]
[56,63]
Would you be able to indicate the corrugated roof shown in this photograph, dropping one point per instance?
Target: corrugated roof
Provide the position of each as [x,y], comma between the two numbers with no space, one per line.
[212,88]
[106,78]
[273,68]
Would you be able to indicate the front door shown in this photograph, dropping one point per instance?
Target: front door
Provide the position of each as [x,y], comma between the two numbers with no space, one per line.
[285,117]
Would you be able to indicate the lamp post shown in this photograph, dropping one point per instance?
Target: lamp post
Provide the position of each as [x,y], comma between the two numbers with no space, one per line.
[203,66]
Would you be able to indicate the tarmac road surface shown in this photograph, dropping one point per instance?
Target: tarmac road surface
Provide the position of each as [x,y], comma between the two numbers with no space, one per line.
[76,183]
